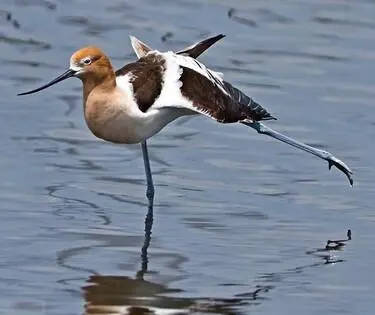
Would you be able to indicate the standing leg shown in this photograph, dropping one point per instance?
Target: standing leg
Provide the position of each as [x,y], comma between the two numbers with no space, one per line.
[150,185]
[150,215]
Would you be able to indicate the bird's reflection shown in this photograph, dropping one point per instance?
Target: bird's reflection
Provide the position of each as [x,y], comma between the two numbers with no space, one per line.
[110,294]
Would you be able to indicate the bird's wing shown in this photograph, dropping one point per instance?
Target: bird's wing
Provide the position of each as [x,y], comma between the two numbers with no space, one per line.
[199,48]
[179,80]
[194,51]
[139,47]
[143,79]
[187,83]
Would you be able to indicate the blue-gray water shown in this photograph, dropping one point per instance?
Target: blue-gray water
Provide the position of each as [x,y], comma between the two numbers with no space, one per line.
[239,219]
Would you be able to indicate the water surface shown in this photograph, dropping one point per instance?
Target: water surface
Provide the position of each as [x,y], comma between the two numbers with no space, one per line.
[240,221]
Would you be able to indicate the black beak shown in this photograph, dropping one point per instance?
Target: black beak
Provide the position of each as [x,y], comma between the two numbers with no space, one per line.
[67,74]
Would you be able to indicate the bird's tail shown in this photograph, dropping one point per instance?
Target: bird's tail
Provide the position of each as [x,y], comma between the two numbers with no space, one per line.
[330,158]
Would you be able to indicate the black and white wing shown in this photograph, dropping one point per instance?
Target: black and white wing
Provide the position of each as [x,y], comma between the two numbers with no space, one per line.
[188,83]
[146,75]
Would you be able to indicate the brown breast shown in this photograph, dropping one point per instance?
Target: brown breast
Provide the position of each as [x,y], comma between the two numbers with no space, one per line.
[106,115]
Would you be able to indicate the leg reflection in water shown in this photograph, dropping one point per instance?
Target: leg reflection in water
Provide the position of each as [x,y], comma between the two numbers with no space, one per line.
[149,220]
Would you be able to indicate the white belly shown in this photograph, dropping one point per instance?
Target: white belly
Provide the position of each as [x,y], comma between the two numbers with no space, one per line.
[133,127]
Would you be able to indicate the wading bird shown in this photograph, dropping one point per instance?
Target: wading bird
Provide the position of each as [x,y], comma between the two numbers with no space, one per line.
[135,102]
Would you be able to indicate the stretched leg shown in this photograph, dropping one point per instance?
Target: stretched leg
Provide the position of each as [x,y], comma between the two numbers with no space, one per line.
[150,185]
[330,158]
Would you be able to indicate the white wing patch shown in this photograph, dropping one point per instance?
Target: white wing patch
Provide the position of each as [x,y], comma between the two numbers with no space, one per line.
[124,84]
[188,62]
[171,95]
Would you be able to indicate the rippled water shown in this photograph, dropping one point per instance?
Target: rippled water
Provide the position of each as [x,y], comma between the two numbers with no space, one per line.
[240,222]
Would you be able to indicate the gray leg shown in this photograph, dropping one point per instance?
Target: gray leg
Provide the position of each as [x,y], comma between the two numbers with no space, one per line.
[330,158]
[150,213]
[150,185]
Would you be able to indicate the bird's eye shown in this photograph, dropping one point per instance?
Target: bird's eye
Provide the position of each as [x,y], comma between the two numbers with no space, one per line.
[86,61]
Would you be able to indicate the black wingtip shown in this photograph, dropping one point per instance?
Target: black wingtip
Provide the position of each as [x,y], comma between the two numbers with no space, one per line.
[199,48]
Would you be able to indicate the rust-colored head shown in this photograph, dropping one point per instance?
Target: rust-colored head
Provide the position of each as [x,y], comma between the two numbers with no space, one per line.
[90,64]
